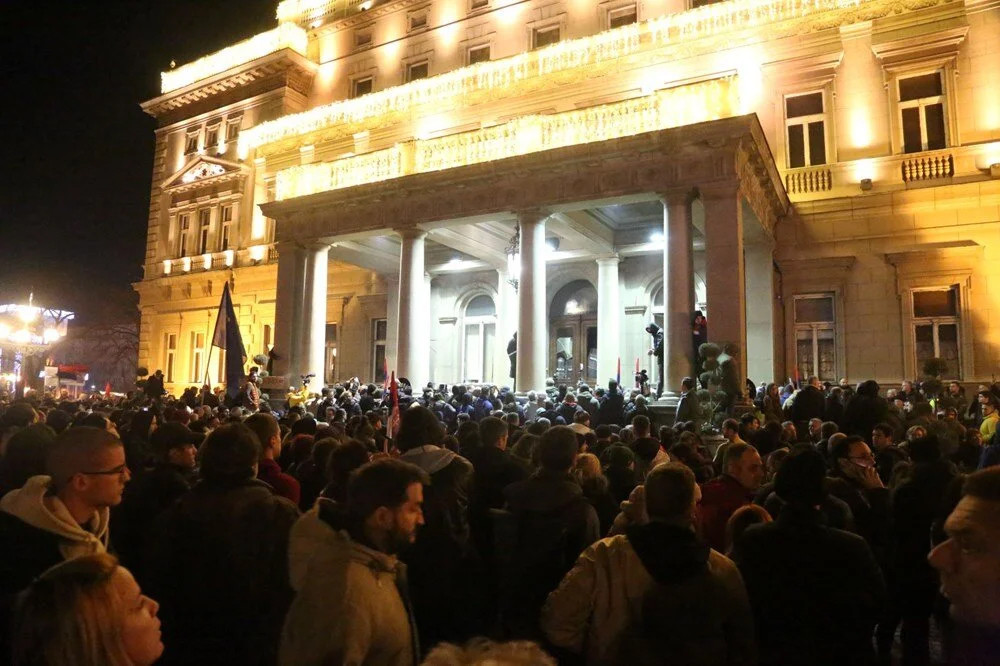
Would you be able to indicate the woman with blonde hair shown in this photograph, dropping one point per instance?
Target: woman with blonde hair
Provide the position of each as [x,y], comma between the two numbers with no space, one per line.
[87,611]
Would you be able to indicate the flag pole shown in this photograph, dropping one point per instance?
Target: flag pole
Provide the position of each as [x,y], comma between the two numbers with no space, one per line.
[208,360]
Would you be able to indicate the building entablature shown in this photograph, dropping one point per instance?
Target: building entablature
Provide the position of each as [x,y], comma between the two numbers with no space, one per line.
[725,158]
[285,68]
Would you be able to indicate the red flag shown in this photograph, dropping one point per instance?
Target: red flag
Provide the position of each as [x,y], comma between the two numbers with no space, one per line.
[107,390]
[385,374]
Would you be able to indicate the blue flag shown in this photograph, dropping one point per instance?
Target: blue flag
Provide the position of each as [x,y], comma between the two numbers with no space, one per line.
[227,336]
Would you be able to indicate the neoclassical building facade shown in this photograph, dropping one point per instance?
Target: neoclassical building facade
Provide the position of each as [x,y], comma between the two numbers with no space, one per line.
[404,185]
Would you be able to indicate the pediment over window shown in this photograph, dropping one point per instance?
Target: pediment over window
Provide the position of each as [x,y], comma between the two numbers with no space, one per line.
[929,44]
[201,169]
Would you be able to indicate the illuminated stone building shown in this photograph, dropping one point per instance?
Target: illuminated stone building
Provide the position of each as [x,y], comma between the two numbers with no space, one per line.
[416,180]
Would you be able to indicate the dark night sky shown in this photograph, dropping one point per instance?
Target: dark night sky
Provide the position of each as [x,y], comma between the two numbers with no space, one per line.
[76,149]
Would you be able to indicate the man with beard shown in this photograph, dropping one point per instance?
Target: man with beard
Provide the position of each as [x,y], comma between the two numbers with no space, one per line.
[352,603]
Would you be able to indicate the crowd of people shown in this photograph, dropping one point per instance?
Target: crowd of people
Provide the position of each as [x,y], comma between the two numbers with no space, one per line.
[812,524]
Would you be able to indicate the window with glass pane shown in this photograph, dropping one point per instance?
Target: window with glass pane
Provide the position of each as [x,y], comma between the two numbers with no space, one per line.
[564,353]
[479,54]
[479,339]
[921,108]
[331,354]
[591,352]
[204,225]
[380,329]
[361,86]
[170,343]
[212,138]
[544,36]
[622,16]
[232,129]
[185,228]
[815,336]
[197,349]
[936,328]
[191,143]
[417,70]
[806,123]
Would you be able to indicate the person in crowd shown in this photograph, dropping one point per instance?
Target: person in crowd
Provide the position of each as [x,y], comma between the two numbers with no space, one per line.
[174,449]
[24,456]
[138,451]
[815,431]
[484,652]
[854,479]
[655,591]
[864,410]
[494,471]
[443,562]
[656,351]
[217,560]
[989,404]
[967,560]
[612,406]
[550,523]
[618,463]
[816,592]
[887,454]
[741,520]
[351,601]
[743,472]
[87,611]
[688,406]
[311,475]
[731,432]
[806,403]
[63,514]
[834,406]
[916,503]
[648,453]
[266,428]
[588,473]
[771,404]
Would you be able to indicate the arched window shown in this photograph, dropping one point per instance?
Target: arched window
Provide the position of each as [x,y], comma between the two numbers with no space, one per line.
[479,336]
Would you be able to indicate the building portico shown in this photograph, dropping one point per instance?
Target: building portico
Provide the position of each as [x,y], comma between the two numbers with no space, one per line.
[585,212]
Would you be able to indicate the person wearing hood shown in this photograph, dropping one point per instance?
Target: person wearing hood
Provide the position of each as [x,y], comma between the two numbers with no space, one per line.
[655,590]
[656,350]
[816,591]
[442,564]
[352,604]
[63,515]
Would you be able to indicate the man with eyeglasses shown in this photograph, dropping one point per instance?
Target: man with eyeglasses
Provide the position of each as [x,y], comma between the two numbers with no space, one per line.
[64,514]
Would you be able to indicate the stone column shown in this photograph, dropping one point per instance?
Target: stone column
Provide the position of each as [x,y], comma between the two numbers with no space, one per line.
[391,320]
[412,341]
[426,319]
[532,325]
[678,289]
[608,319]
[760,299]
[312,344]
[288,311]
[506,325]
[725,276]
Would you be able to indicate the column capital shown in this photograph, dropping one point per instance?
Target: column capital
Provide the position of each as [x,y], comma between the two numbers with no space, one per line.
[677,195]
[727,189]
[531,216]
[408,233]
[608,260]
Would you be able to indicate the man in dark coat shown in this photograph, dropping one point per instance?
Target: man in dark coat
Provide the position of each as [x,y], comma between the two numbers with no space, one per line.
[174,448]
[656,350]
[154,386]
[864,410]
[816,592]
[549,524]
[688,407]
[218,563]
[512,355]
[612,409]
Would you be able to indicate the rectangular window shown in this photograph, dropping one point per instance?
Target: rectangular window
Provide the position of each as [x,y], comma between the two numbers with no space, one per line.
[225,238]
[191,142]
[921,110]
[417,20]
[363,38]
[479,4]
[622,16]
[479,54]
[416,70]
[937,328]
[805,120]
[233,129]
[197,354]
[170,345]
[267,338]
[184,232]
[362,86]
[544,36]
[212,138]
[204,227]
[331,354]
[380,331]
[815,336]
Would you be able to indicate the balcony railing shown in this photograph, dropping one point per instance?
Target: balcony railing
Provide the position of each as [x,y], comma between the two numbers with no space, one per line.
[928,167]
[808,180]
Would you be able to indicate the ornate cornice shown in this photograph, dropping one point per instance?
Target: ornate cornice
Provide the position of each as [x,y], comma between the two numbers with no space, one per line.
[690,156]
